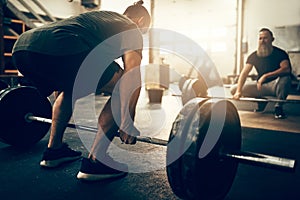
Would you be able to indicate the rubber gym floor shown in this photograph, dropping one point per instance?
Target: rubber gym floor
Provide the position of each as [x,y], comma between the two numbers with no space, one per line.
[21,177]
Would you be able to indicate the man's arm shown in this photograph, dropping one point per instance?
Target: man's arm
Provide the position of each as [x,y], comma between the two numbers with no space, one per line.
[242,78]
[130,86]
[284,69]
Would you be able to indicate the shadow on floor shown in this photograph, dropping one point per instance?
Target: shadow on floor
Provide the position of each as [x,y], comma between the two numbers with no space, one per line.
[22,178]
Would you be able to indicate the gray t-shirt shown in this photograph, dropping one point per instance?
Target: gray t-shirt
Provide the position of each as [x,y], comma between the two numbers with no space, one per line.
[80,34]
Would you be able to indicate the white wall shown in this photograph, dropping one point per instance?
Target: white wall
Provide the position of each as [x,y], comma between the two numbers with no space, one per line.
[268,13]
[209,23]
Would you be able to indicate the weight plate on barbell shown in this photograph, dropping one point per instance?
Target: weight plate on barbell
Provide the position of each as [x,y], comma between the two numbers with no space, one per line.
[175,148]
[181,82]
[15,104]
[192,88]
[210,177]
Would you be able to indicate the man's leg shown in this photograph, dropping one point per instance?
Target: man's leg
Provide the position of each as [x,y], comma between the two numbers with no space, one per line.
[249,90]
[278,88]
[107,130]
[282,88]
[61,114]
[58,152]
[50,73]
[99,165]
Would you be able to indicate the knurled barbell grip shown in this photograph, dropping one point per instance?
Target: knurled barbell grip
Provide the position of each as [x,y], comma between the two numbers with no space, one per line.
[262,160]
[29,117]
[252,99]
[152,140]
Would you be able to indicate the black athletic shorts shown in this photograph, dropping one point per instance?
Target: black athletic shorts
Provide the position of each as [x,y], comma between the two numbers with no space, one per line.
[50,73]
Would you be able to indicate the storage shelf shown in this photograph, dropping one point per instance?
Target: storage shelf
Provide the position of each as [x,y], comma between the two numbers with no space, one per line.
[13,28]
[11,71]
[9,37]
[8,54]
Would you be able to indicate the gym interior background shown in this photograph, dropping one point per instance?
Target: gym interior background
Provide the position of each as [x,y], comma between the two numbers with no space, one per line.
[227,32]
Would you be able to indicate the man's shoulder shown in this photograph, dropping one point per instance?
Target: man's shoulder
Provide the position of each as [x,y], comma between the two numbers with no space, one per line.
[280,53]
[278,49]
[101,12]
[253,54]
[105,16]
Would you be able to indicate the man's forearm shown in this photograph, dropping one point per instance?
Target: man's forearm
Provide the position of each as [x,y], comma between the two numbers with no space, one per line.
[278,72]
[129,93]
[241,83]
[284,69]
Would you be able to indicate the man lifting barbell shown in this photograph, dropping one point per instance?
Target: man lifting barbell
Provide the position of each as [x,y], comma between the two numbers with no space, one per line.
[51,55]
[203,150]
[274,73]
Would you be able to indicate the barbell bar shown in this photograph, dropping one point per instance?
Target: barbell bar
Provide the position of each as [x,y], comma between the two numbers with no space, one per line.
[251,99]
[26,118]
[245,157]
[196,87]
[29,117]
[267,100]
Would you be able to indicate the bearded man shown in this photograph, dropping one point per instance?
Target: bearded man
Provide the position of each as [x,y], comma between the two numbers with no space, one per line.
[273,69]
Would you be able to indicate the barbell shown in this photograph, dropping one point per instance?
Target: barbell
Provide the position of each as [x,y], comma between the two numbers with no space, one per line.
[196,87]
[191,88]
[25,120]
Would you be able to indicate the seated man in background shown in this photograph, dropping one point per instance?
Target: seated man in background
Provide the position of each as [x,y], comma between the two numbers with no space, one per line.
[274,73]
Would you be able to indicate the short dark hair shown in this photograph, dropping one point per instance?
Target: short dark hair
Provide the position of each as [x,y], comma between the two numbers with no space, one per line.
[268,30]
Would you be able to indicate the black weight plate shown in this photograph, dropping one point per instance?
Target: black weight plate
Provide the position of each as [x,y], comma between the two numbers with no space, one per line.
[187,92]
[176,148]
[15,104]
[181,82]
[192,88]
[209,177]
